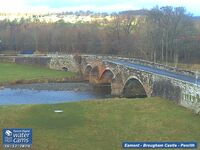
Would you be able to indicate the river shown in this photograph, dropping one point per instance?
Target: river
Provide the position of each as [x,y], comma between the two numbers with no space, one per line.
[48,93]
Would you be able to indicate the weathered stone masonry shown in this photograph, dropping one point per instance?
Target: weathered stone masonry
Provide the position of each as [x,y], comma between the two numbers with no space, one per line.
[184,93]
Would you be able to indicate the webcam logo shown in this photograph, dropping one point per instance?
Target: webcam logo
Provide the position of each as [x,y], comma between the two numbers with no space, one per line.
[17,138]
[8,133]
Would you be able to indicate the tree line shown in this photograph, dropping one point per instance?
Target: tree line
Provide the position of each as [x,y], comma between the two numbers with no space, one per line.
[165,34]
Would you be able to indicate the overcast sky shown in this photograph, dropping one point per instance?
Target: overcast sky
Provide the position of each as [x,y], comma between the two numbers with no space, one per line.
[192,6]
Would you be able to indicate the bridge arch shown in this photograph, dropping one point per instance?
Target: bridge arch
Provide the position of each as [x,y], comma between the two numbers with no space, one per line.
[87,71]
[94,74]
[133,88]
[107,76]
[95,71]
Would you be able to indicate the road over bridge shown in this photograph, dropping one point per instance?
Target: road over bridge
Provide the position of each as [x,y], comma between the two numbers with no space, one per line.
[161,72]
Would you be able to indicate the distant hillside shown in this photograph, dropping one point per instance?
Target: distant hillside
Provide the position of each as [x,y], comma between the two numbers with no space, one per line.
[140,12]
[70,17]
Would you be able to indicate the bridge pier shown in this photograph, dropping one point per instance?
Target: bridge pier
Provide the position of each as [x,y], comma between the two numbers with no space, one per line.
[116,89]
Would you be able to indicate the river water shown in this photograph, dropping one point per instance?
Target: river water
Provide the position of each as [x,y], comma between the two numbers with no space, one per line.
[47,93]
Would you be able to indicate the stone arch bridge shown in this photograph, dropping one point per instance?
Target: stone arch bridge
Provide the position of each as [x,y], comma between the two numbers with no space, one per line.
[134,78]
[127,77]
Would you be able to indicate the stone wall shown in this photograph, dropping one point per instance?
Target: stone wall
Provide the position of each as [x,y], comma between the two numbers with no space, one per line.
[41,61]
[50,61]
[7,59]
[34,60]
[60,62]
[166,89]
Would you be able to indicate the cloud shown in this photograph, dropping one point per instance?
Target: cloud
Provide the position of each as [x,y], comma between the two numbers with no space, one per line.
[106,8]
[191,5]
[13,6]
[93,5]
[44,6]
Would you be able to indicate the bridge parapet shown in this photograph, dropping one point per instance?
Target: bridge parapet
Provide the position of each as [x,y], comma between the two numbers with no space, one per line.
[147,63]
[165,67]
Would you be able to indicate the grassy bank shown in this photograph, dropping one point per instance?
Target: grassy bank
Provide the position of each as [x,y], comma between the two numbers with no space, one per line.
[102,124]
[189,67]
[11,73]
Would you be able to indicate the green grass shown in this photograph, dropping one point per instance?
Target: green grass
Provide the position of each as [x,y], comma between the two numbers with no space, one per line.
[15,72]
[189,67]
[102,124]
